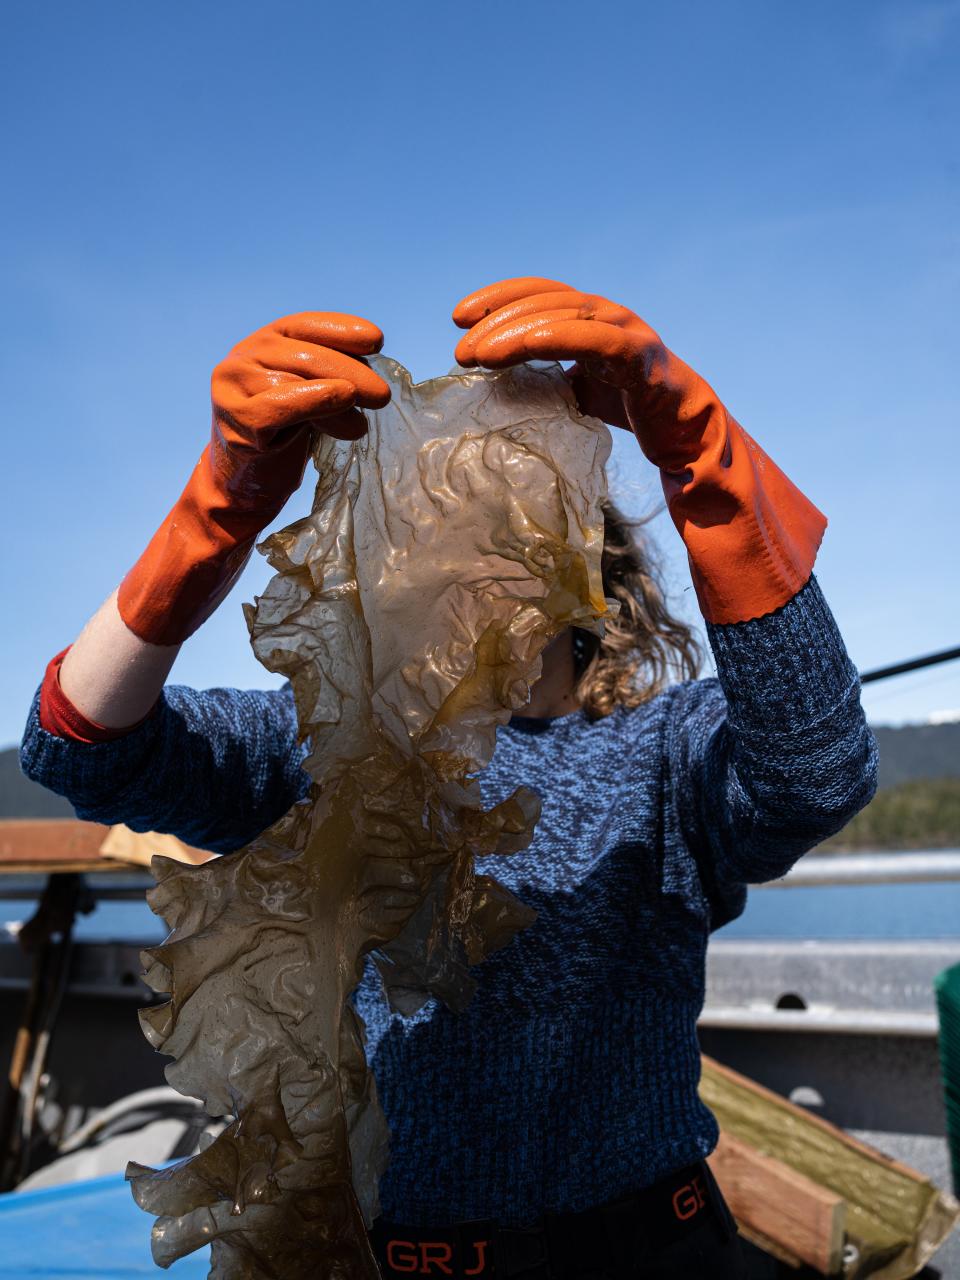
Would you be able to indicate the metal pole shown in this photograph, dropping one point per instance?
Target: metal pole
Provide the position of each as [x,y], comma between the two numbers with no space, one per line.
[912,664]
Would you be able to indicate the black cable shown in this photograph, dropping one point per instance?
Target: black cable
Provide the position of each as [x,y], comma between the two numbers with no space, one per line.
[912,664]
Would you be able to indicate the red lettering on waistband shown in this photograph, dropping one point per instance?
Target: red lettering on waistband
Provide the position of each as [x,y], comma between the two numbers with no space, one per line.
[432,1257]
[435,1251]
[481,1248]
[408,1260]
[689,1199]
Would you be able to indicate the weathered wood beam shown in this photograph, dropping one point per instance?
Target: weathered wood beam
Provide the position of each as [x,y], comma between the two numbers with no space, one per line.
[778,1204]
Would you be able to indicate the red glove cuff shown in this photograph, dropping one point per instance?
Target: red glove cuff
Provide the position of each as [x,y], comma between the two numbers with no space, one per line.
[198,552]
[60,717]
[751,535]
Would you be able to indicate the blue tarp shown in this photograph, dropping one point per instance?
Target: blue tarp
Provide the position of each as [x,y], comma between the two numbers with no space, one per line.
[88,1228]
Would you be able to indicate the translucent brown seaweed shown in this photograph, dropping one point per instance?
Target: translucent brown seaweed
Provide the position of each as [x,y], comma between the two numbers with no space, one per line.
[409,611]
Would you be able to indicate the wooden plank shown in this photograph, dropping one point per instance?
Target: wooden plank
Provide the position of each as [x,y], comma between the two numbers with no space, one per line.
[776,1203]
[140,847]
[809,1118]
[48,845]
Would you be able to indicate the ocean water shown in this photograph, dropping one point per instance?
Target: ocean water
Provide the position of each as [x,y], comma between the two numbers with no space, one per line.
[833,911]
[867,911]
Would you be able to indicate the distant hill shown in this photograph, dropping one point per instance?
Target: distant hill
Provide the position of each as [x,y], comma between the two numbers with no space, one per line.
[918,751]
[917,805]
[906,755]
[21,798]
[921,814]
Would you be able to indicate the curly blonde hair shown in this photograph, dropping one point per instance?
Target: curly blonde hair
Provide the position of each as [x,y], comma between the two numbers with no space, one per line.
[646,647]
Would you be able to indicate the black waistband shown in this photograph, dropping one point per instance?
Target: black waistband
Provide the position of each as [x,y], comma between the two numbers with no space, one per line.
[611,1238]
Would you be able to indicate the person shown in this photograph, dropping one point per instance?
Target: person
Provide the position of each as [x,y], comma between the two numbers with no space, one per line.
[556,1120]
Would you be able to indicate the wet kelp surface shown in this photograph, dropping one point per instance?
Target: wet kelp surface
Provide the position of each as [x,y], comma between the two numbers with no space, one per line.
[409,611]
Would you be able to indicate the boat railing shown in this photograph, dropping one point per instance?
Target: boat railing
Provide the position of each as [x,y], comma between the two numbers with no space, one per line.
[920,867]
[835,986]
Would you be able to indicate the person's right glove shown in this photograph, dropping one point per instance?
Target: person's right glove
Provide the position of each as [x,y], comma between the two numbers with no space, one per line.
[295,376]
[751,535]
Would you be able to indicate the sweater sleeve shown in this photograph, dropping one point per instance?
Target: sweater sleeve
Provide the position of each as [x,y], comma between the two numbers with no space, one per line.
[213,768]
[775,755]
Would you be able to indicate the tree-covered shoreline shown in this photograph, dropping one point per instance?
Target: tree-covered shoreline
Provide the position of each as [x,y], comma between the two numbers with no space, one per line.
[923,813]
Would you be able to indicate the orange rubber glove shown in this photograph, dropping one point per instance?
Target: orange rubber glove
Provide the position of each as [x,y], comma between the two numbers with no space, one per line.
[271,393]
[751,535]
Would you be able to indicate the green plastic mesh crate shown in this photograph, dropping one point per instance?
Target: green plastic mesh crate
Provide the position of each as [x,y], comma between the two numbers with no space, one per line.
[947,987]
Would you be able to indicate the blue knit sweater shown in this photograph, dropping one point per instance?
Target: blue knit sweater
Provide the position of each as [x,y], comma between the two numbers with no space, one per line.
[572,1076]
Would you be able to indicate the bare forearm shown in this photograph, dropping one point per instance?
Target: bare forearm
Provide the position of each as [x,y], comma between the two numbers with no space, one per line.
[273,392]
[112,676]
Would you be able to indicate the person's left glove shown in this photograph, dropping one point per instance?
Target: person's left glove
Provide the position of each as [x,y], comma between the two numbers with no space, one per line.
[751,535]
[298,375]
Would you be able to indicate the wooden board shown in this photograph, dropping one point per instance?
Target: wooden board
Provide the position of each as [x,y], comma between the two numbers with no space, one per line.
[894,1216]
[141,847]
[773,1202]
[810,1118]
[49,845]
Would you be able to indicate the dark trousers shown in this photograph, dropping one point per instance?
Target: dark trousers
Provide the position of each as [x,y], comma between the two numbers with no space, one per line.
[709,1250]
[708,1253]
[679,1230]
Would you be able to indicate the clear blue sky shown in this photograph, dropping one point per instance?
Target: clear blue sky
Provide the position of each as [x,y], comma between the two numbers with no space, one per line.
[772,186]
